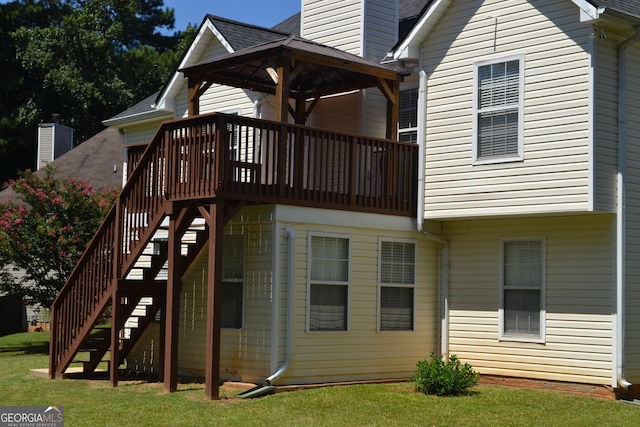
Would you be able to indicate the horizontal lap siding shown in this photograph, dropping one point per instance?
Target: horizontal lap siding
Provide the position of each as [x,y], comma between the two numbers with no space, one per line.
[363,353]
[335,23]
[579,280]
[339,113]
[554,176]
[606,122]
[142,133]
[217,98]
[633,216]
[245,353]
[381,18]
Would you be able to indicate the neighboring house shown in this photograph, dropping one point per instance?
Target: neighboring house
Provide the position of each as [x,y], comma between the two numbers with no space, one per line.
[97,161]
[326,256]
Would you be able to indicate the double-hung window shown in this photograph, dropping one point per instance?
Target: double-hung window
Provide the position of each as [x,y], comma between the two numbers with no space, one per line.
[232,281]
[523,285]
[397,285]
[328,283]
[498,110]
[408,116]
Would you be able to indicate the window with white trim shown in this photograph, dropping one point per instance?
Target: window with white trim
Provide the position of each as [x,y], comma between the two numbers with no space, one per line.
[408,116]
[523,271]
[397,285]
[498,110]
[232,282]
[328,283]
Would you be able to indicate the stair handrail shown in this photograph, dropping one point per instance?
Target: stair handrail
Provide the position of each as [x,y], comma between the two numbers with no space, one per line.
[95,274]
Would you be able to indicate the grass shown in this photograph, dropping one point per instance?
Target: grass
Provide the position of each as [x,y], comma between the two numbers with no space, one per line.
[96,403]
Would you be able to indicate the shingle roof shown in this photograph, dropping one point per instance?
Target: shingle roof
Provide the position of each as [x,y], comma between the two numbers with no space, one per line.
[291,25]
[92,162]
[629,7]
[241,35]
[141,107]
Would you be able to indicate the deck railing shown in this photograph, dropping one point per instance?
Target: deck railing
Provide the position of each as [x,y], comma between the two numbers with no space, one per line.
[239,159]
[272,162]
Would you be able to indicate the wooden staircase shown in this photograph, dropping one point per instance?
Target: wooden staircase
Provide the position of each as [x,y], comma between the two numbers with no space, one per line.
[124,261]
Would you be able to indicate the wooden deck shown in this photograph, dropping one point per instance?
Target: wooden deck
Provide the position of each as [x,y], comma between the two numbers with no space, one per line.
[208,166]
[271,162]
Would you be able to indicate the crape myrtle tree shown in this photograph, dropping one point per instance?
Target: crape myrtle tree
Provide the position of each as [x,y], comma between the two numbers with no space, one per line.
[44,230]
[86,60]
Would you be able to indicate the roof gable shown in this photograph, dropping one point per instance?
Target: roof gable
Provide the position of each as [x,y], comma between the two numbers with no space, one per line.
[232,35]
[408,47]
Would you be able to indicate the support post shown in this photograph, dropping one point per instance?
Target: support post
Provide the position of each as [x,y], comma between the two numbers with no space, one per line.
[172,315]
[194,97]
[392,111]
[214,299]
[282,91]
[114,358]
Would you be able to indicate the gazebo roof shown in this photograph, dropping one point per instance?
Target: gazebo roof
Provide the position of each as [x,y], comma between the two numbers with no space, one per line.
[316,69]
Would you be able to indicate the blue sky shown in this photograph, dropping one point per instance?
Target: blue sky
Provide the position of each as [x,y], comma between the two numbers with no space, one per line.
[265,13]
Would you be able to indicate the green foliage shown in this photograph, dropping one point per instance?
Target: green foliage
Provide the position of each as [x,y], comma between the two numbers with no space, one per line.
[86,60]
[450,378]
[45,234]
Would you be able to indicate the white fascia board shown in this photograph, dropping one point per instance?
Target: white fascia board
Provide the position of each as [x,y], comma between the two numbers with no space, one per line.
[147,116]
[588,12]
[410,47]
[165,100]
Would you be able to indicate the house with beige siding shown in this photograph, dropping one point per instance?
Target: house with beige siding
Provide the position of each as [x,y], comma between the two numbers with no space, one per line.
[528,138]
[334,198]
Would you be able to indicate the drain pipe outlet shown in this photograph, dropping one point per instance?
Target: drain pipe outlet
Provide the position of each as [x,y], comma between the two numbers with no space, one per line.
[622,210]
[291,261]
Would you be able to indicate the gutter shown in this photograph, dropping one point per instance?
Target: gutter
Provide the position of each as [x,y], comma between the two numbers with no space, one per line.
[443,275]
[290,234]
[622,212]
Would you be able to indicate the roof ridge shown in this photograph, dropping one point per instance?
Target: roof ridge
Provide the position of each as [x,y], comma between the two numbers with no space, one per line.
[212,17]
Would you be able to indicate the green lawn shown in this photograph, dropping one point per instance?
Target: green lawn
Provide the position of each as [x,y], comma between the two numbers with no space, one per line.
[136,403]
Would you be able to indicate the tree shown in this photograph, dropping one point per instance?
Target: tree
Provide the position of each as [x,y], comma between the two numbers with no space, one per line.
[44,234]
[86,60]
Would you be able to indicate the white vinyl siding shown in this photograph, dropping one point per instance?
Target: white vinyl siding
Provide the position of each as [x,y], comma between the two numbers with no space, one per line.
[632,297]
[522,290]
[498,110]
[328,283]
[362,352]
[339,113]
[232,282]
[245,353]
[555,173]
[606,124]
[381,28]
[579,275]
[217,97]
[319,23]
[397,282]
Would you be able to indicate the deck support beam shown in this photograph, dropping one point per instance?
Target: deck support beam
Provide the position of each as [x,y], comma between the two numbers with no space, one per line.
[172,305]
[215,222]
[114,356]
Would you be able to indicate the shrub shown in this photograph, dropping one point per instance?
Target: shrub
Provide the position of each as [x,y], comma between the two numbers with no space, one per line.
[450,378]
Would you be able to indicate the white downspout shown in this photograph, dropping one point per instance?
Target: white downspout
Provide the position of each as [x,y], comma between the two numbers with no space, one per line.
[622,211]
[443,274]
[290,234]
